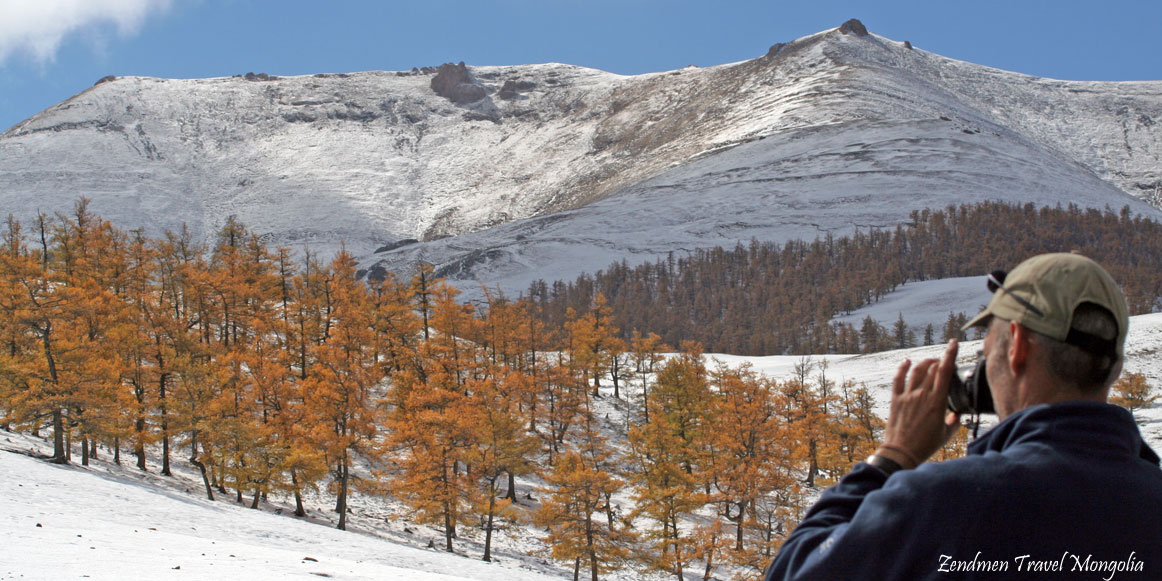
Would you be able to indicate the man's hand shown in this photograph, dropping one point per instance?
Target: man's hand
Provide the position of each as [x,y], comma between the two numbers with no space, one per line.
[919,423]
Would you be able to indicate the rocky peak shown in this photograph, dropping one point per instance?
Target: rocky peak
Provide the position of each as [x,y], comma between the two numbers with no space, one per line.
[853,26]
[456,84]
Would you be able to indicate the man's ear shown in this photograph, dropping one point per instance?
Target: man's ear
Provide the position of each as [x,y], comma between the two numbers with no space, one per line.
[1018,347]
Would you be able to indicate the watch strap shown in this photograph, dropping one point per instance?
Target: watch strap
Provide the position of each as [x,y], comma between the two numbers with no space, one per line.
[884,464]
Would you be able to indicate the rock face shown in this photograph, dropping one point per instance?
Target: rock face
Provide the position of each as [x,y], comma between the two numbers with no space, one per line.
[853,26]
[456,84]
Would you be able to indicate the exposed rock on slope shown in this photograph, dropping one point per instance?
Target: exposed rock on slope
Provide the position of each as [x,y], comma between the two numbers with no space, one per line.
[456,84]
[509,173]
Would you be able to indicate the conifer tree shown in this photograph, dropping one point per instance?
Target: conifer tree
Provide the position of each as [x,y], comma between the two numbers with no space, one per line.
[646,358]
[590,340]
[806,413]
[902,338]
[433,429]
[682,393]
[340,393]
[746,447]
[435,423]
[21,283]
[501,447]
[572,510]
[664,489]
[1133,392]
[67,305]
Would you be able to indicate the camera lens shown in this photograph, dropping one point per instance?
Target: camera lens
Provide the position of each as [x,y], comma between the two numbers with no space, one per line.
[971,395]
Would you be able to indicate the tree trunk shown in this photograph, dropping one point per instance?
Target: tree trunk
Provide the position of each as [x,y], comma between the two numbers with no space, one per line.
[299,509]
[615,374]
[589,547]
[447,527]
[609,509]
[511,495]
[205,477]
[257,497]
[741,518]
[342,506]
[59,454]
[488,528]
[710,557]
[139,445]
[814,466]
[164,427]
[84,451]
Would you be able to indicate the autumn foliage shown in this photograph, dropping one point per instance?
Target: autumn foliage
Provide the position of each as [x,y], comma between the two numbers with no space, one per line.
[275,376]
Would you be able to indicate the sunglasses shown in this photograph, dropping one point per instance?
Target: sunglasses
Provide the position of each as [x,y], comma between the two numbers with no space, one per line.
[996,280]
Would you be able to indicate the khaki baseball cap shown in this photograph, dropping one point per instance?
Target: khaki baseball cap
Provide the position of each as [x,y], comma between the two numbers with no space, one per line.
[1043,292]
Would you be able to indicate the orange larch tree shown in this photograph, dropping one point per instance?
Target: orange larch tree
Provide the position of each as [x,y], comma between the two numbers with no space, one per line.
[342,393]
[746,449]
[664,490]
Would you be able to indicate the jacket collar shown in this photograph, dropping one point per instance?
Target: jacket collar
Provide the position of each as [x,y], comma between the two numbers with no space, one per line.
[1107,426]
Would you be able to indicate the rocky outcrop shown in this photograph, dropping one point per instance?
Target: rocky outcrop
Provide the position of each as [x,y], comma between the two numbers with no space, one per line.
[512,89]
[456,84]
[853,26]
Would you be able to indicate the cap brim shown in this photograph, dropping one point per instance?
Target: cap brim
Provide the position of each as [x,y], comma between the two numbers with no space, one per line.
[979,320]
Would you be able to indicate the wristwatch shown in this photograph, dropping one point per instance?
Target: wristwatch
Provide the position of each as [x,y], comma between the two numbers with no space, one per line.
[884,464]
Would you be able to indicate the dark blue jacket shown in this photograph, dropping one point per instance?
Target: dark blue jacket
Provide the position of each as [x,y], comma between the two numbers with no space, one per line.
[1055,491]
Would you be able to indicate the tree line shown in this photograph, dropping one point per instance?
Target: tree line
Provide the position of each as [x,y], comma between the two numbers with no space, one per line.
[767,298]
[276,375]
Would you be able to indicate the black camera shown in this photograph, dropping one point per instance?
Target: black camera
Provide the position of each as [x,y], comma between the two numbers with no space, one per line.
[971,395]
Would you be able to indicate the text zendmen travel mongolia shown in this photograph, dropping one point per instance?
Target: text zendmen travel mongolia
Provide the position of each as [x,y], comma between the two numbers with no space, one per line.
[1026,564]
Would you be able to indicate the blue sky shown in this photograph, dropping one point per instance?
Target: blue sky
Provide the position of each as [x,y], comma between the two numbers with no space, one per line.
[53,49]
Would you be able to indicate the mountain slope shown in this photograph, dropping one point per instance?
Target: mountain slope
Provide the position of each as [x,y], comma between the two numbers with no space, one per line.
[500,175]
[117,522]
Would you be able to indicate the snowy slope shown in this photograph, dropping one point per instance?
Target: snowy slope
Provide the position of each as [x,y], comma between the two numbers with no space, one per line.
[557,169]
[831,133]
[800,184]
[104,522]
[109,522]
[924,303]
[1143,345]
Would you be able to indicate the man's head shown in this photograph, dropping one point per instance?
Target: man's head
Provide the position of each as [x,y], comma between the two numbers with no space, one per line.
[1058,320]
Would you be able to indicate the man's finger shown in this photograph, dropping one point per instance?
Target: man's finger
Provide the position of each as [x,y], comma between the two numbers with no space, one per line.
[947,367]
[920,375]
[901,377]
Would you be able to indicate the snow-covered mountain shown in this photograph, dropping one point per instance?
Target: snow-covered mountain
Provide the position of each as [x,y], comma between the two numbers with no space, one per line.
[500,175]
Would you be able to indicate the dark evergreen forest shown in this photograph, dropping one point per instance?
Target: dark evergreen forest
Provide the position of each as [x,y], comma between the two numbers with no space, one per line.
[767,298]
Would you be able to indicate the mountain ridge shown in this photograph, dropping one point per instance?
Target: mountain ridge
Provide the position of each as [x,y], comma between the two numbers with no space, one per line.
[555,168]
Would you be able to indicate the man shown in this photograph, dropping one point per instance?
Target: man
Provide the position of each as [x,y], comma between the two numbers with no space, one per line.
[1063,487]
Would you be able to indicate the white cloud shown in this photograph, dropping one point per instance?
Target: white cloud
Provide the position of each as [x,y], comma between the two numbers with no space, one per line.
[36,28]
